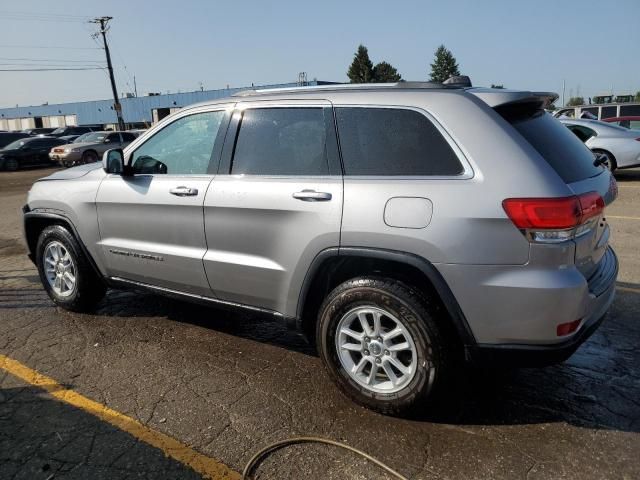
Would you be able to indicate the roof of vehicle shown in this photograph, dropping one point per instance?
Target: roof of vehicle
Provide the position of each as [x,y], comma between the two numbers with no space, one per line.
[492,96]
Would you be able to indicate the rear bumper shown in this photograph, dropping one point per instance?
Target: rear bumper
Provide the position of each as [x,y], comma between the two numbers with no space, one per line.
[525,355]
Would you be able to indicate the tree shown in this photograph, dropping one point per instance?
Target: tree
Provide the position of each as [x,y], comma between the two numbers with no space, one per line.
[444,65]
[637,99]
[361,69]
[385,72]
[574,101]
[497,86]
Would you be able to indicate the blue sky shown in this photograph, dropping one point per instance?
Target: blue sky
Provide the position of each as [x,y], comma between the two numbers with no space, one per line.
[172,46]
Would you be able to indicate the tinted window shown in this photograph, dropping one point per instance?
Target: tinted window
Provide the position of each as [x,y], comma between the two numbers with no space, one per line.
[566,154]
[183,147]
[113,138]
[386,141]
[608,112]
[629,110]
[281,141]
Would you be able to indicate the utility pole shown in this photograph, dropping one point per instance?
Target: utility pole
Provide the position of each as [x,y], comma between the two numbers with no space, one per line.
[103,22]
[135,86]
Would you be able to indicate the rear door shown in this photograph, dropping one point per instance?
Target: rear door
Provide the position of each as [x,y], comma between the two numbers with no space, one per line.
[151,223]
[275,204]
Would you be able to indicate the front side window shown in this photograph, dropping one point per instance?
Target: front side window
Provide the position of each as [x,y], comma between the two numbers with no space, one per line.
[183,147]
[281,141]
[393,142]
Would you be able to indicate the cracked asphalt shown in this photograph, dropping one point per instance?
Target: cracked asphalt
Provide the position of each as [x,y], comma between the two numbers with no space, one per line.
[226,384]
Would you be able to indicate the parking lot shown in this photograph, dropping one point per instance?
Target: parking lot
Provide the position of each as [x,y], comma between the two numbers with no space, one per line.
[210,387]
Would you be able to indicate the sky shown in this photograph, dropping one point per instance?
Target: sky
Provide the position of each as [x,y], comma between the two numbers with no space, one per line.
[176,46]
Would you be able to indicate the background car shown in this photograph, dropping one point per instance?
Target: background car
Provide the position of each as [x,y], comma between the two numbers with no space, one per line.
[27,152]
[630,122]
[7,137]
[71,130]
[91,148]
[38,131]
[619,145]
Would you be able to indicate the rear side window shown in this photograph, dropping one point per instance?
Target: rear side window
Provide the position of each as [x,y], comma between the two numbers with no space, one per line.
[566,154]
[281,141]
[393,142]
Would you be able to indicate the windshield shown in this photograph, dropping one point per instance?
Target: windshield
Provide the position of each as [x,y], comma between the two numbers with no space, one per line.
[93,137]
[82,138]
[15,145]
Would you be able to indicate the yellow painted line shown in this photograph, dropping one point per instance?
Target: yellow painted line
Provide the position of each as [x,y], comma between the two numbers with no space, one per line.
[628,289]
[622,217]
[207,467]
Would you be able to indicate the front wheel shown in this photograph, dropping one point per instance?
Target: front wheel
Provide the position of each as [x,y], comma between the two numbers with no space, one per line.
[381,345]
[89,157]
[65,271]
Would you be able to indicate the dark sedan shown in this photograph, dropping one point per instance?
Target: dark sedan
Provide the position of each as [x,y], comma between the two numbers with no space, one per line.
[28,152]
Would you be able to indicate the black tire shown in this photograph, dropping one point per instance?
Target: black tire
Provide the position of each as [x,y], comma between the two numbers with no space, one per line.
[89,157]
[417,317]
[11,164]
[611,163]
[89,288]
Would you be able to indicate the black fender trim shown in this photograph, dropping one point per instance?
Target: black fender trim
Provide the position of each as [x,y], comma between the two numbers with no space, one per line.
[59,218]
[435,277]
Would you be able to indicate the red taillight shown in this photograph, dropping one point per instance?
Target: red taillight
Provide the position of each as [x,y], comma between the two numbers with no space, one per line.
[553,213]
[544,213]
[567,328]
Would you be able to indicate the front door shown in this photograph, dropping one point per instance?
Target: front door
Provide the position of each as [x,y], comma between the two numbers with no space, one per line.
[275,204]
[151,222]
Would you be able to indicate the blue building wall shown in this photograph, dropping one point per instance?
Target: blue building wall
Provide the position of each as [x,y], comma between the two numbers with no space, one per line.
[134,110]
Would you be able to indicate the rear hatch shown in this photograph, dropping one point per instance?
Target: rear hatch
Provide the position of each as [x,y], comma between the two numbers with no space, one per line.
[574,163]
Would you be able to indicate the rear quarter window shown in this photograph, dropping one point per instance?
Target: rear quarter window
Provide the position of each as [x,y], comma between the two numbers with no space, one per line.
[393,142]
[562,150]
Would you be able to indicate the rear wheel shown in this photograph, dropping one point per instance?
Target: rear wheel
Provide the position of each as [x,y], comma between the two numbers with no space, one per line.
[89,157]
[65,271]
[381,345]
[610,161]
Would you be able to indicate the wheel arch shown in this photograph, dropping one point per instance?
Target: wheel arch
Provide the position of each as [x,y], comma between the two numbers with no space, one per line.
[607,152]
[334,266]
[34,224]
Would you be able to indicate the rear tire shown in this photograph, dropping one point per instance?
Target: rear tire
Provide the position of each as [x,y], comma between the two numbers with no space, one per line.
[65,271]
[611,163]
[395,365]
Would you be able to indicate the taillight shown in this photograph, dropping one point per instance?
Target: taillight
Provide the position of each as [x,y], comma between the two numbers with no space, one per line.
[550,220]
[567,328]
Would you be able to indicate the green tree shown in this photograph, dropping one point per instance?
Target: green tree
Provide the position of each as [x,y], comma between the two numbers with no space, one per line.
[637,99]
[361,69]
[385,72]
[444,65]
[574,101]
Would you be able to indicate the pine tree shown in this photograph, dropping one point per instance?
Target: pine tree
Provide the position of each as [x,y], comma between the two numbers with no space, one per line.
[361,69]
[444,65]
[384,72]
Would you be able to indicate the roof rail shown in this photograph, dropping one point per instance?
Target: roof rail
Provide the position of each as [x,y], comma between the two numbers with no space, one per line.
[461,81]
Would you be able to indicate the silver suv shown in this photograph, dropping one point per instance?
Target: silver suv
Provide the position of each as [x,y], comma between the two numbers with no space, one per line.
[406,227]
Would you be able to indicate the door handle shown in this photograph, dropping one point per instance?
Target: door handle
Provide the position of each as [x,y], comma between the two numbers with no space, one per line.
[184,191]
[312,196]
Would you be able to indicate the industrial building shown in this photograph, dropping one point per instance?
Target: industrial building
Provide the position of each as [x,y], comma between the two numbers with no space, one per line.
[136,111]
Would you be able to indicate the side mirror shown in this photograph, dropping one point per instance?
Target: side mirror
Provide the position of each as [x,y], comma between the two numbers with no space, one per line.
[113,161]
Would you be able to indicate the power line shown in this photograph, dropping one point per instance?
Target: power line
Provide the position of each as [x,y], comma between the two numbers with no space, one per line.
[49,69]
[23,59]
[50,47]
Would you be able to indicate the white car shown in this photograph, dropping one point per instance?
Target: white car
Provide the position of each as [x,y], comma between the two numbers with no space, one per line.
[619,145]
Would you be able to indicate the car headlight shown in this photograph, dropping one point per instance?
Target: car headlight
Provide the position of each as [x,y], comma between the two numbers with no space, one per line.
[74,150]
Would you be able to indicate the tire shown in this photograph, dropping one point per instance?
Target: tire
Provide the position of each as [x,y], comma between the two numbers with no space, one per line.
[611,163]
[89,157]
[11,164]
[86,290]
[426,361]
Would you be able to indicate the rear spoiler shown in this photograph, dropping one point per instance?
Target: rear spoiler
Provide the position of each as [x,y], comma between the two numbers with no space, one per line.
[501,97]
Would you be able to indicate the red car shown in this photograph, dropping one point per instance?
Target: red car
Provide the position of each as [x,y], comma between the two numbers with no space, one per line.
[626,122]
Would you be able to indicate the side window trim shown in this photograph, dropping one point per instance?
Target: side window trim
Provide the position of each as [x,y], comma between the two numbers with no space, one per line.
[333,155]
[467,169]
[214,160]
